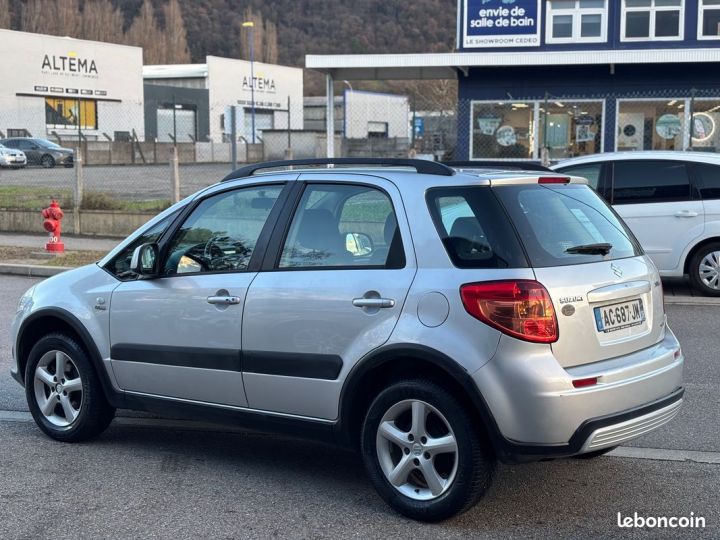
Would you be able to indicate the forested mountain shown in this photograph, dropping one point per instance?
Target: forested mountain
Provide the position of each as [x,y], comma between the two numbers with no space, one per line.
[179,31]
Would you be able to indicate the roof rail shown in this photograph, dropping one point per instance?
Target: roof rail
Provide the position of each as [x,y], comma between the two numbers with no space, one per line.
[498,164]
[422,166]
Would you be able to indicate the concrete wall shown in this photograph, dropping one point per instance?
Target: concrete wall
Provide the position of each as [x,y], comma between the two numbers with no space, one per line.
[92,222]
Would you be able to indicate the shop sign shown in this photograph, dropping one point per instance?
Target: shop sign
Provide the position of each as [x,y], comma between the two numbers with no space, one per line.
[505,136]
[488,125]
[500,23]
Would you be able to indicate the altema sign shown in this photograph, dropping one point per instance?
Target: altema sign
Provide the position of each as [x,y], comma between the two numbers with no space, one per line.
[259,84]
[69,63]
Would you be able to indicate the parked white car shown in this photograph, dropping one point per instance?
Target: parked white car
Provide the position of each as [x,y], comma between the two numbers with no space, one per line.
[10,157]
[670,200]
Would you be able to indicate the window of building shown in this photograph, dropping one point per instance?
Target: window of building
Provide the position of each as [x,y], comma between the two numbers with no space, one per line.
[651,124]
[519,130]
[64,113]
[709,19]
[704,132]
[652,19]
[571,128]
[576,21]
[503,130]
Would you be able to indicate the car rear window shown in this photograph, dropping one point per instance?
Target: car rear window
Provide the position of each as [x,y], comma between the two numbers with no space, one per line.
[553,219]
[474,228]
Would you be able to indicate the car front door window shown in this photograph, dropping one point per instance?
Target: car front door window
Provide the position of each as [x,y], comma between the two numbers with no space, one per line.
[221,233]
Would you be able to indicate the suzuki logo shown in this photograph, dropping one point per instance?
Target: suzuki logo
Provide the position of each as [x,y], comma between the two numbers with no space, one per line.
[616,270]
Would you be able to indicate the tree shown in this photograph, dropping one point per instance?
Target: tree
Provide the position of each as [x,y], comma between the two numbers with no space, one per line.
[265,37]
[176,46]
[5,14]
[102,22]
[144,32]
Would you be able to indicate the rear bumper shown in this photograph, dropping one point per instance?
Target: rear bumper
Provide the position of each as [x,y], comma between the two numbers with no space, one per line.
[602,432]
[536,410]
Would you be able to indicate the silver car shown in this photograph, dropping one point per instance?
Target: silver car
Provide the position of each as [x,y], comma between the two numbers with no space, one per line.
[437,320]
[11,158]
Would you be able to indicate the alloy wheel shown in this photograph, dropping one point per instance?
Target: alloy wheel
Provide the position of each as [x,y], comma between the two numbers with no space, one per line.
[709,270]
[58,388]
[417,450]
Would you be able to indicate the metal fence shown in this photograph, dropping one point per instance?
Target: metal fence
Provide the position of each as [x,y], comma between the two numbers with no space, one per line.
[121,162]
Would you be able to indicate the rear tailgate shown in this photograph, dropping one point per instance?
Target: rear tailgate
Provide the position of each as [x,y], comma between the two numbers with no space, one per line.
[606,293]
[604,309]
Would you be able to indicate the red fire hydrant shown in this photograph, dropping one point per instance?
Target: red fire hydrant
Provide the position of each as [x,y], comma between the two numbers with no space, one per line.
[53,214]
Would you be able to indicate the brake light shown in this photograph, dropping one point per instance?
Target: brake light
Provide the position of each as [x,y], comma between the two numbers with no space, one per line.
[554,180]
[519,308]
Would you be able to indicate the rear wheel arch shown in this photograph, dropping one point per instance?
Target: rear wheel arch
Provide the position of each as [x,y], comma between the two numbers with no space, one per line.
[57,320]
[697,247]
[394,363]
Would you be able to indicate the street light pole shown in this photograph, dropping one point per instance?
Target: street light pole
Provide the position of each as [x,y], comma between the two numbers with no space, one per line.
[251,36]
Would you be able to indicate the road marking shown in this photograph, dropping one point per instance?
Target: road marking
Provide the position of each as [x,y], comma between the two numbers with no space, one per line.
[632,452]
[663,454]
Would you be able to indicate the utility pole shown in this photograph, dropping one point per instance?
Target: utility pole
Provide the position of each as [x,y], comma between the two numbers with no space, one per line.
[251,38]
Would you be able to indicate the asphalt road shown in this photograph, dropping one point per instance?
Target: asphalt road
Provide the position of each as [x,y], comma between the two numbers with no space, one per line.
[157,479]
[124,181]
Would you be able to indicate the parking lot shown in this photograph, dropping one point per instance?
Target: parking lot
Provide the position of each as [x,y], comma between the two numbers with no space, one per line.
[157,478]
[124,181]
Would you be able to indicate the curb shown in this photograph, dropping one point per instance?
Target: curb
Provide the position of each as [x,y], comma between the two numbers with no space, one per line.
[32,270]
[692,301]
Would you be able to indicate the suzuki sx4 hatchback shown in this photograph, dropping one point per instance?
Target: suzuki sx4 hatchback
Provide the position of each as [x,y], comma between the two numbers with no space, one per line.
[434,319]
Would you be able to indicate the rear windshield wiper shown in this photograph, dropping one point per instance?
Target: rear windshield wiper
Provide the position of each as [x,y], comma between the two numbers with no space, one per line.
[591,249]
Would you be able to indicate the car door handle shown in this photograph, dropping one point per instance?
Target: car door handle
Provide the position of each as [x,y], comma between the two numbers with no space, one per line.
[223,300]
[373,302]
[686,213]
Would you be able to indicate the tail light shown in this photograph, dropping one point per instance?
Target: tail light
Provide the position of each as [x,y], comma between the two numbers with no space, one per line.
[519,308]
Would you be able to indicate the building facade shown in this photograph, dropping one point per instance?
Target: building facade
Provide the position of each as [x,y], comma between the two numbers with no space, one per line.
[660,95]
[220,85]
[562,78]
[64,87]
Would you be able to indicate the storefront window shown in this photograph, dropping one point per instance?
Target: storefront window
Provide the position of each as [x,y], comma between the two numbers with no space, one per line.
[651,125]
[709,19]
[704,127]
[64,113]
[576,20]
[503,130]
[571,128]
[652,19]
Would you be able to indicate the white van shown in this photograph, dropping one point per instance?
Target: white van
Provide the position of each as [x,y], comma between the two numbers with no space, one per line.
[670,200]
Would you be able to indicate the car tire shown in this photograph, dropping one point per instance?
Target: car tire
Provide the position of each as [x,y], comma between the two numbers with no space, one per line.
[459,479]
[47,161]
[76,411]
[704,270]
[596,453]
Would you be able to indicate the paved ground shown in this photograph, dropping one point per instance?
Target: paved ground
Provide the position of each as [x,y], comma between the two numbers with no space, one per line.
[74,243]
[153,479]
[125,181]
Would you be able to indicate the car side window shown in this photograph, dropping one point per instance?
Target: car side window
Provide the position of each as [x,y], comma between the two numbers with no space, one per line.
[649,181]
[709,177]
[339,225]
[221,232]
[591,171]
[26,145]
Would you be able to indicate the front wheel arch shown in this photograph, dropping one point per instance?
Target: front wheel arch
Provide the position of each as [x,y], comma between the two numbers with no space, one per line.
[57,320]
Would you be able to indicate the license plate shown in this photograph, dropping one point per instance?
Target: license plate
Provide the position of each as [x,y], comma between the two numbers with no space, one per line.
[618,316]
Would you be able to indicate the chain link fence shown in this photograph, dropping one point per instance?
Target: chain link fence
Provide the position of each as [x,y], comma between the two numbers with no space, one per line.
[83,155]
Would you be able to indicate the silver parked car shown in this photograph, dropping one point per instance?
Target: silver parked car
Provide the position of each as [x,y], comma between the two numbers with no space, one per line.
[437,320]
[10,158]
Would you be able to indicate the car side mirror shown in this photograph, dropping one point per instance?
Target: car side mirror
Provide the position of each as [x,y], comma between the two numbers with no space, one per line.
[144,260]
[359,244]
